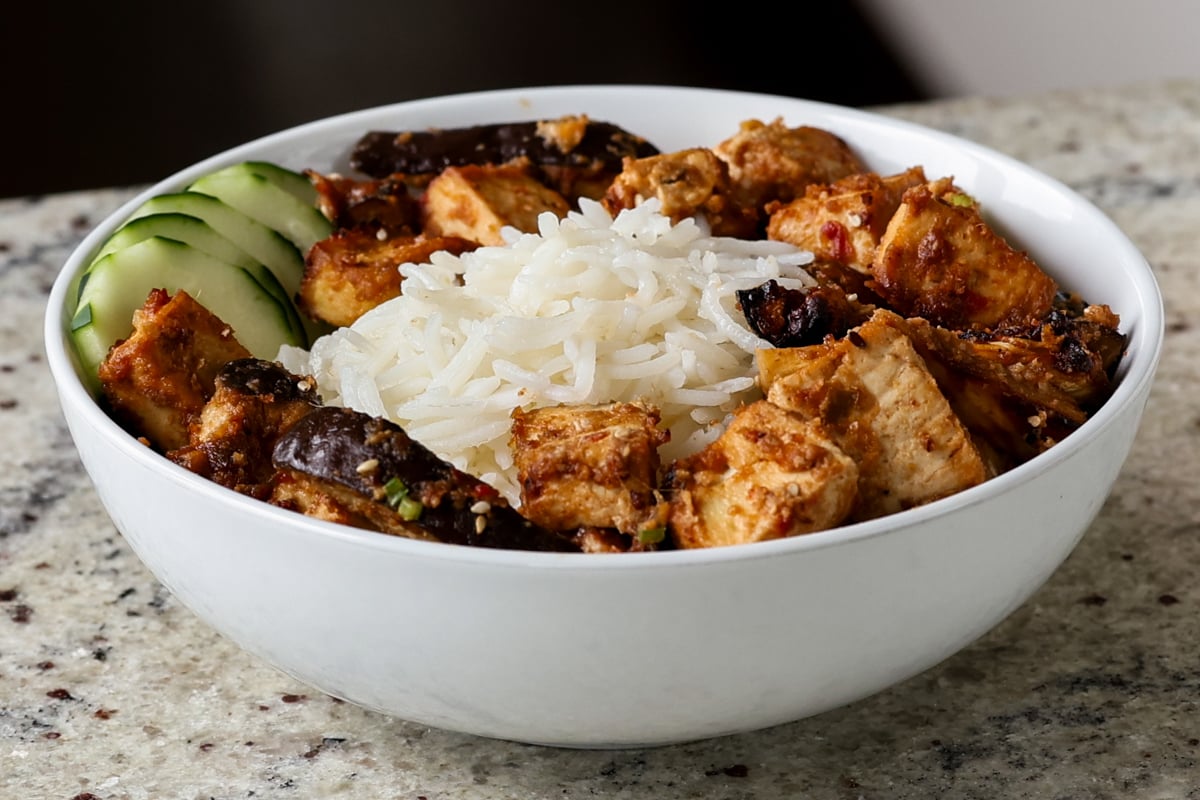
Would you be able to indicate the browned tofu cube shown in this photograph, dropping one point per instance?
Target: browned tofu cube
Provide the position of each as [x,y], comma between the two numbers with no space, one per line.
[771,161]
[881,405]
[686,183]
[157,381]
[253,403]
[355,269]
[769,475]
[589,466]
[352,203]
[842,222]
[475,202]
[305,498]
[939,259]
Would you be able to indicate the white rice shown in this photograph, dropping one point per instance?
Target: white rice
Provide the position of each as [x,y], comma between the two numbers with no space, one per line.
[587,310]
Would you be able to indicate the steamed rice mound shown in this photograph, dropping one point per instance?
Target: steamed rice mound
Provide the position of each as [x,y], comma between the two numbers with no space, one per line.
[588,310]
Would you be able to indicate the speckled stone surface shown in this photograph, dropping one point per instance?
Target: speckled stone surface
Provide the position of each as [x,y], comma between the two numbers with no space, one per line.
[110,689]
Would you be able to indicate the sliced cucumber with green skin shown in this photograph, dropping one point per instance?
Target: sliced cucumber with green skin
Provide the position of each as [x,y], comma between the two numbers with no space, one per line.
[296,184]
[265,245]
[180,227]
[119,283]
[260,199]
[199,234]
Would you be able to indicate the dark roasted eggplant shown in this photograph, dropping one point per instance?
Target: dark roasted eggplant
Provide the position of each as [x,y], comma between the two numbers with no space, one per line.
[574,142]
[371,466]
[800,317]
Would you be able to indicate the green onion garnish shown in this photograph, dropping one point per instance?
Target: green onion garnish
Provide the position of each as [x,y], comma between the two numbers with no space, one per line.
[397,497]
[651,535]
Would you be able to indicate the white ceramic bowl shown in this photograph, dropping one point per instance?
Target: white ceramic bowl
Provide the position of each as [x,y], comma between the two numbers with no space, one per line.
[601,651]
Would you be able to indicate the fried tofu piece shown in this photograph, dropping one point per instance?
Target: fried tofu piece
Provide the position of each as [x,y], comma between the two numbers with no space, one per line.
[773,162]
[873,393]
[590,466]
[475,202]
[387,203]
[770,474]
[156,381]
[1020,394]
[308,498]
[686,183]
[253,403]
[939,259]
[355,269]
[842,222]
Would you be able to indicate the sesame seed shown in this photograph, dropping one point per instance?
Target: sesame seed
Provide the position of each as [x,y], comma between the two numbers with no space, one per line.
[367,466]
[481,507]
[480,524]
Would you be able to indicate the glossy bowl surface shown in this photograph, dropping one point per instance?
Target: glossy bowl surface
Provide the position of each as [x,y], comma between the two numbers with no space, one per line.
[647,649]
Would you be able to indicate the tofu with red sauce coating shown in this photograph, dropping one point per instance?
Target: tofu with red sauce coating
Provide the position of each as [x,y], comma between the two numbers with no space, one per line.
[253,403]
[939,259]
[589,466]
[157,380]
[355,269]
[771,474]
[686,183]
[476,201]
[770,161]
[874,395]
[842,222]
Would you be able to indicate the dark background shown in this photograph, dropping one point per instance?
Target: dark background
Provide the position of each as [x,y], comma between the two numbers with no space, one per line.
[122,94]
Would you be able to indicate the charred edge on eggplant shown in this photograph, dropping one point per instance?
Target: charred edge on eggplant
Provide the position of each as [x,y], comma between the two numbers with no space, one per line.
[798,317]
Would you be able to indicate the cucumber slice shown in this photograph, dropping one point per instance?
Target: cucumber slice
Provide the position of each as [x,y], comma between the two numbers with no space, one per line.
[180,227]
[260,199]
[199,234]
[291,182]
[264,244]
[119,282]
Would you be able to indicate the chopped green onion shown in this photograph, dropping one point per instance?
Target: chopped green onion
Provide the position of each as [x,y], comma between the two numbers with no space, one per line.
[961,200]
[397,497]
[409,509]
[651,535]
[396,491]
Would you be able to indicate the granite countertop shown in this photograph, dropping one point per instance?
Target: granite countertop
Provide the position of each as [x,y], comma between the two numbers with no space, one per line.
[111,689]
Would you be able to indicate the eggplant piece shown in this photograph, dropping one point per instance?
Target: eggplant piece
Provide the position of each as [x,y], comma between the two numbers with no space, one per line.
[800,317]
[575,142]
[372,467]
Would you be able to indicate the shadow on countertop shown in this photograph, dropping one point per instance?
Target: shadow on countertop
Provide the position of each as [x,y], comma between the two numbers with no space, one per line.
[106,97]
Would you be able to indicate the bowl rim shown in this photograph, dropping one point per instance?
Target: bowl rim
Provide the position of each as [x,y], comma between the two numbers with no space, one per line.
[1137,373]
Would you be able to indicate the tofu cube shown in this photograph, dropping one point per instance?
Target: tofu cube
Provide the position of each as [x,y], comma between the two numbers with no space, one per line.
[774,162]
[589,466]
[252,404]
[939,259]
[880,404]
[157,380]
[355,269]
[475,202]
[770,474]
[844,221]
[686,183]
